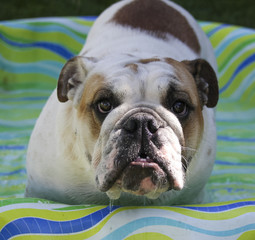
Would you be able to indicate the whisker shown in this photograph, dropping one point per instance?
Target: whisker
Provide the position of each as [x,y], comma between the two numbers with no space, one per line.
[189,149]
[185,163]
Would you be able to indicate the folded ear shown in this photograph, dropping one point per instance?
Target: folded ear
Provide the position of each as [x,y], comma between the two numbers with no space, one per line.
[206,81]
[72,78]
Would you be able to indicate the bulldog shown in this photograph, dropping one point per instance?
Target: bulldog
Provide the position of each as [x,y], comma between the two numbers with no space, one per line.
[132,117]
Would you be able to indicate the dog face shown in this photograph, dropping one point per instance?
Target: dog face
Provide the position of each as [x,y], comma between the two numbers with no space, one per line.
[140,120]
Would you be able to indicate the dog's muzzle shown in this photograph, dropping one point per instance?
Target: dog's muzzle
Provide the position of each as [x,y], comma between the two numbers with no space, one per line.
[145,156]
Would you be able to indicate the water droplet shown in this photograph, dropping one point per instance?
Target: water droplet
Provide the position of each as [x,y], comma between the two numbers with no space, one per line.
[111,205]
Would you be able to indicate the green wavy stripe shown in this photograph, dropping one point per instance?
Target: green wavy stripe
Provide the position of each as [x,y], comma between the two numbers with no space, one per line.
[208,27]
[25,105]
[227,185]
[223,126]
[24,101]
[13,142]
[236,133]
[20,95]
[233,170]
[234,88]
[83,22]
[224,78]
[10,168]
[24,55]
[81,35]
[233,178]
[246,148]
[28,36]
[249,95]
[13,129]
[231,107]
[225,194]
[220,35]
[9,201]
[18,113]
[75,207]
[11,81]
[235,156]
[13,190]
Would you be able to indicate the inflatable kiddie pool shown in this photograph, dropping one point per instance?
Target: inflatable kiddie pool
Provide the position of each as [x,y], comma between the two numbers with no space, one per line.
[32,53]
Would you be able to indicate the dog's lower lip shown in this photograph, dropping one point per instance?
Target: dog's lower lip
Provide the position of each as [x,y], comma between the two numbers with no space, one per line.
[145,163]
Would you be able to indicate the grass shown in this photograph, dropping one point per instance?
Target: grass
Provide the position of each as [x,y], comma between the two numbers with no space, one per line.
[237,12]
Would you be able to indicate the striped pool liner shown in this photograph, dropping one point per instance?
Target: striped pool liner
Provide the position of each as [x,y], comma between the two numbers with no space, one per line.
[32,53]
[37,219]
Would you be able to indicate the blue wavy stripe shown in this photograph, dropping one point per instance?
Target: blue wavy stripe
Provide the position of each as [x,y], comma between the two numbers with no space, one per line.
[127,229]
[235,139]
[222,208]
[19,171]
[21,123]
[49,68]
[10,135]
[249,60]
[244,117]
[24,106]
[89,18]
[33,225]
[13,147]
[53,47]
[21,99]
[220,162]
[212,32]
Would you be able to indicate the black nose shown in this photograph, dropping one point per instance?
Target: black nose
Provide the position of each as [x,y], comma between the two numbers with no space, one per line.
[141,122]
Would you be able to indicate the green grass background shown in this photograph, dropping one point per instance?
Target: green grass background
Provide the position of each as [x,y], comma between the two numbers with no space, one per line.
[237,12]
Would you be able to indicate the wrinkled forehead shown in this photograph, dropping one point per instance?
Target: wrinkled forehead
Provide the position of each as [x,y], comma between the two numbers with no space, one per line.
[135,80]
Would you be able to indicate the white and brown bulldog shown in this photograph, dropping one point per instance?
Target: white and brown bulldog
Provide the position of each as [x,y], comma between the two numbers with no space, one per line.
[132,118]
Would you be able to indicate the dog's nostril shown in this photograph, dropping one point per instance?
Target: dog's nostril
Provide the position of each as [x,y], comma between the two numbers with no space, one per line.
[152,126]
[131,125]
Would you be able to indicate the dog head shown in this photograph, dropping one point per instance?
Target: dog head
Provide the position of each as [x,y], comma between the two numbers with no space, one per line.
[139,119]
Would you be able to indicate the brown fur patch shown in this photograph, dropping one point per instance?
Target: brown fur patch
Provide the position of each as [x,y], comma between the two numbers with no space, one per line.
[133,67]
[149,60]
[159,19]
[93,84]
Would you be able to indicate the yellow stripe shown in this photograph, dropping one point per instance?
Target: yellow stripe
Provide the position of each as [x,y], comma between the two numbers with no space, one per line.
[250,235]
[148,236]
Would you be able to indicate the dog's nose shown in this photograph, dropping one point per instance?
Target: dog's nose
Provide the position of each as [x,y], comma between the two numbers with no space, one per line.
[141,122]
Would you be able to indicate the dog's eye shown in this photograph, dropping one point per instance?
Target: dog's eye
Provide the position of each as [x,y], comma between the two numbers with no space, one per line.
[104,106]
[180,109]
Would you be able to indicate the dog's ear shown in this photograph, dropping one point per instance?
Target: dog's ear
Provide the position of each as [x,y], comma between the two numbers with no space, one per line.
[206,81]
[72,77]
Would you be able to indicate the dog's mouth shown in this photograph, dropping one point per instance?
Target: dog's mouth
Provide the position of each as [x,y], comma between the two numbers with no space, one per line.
[144,175]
